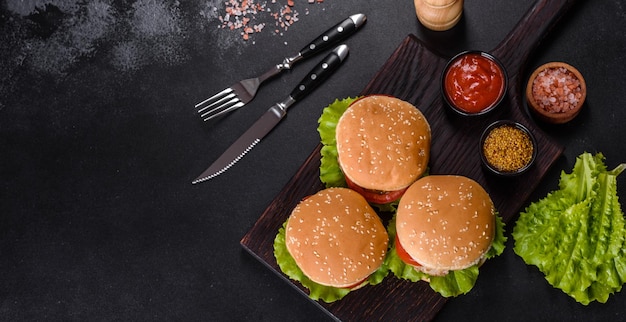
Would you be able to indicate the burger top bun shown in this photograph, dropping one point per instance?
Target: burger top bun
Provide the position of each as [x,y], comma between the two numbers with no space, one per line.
[336,238]
[445,222]
[383,143]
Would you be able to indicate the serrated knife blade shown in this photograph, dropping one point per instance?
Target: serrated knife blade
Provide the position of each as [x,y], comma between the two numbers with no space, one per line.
[244,144]
[274,115]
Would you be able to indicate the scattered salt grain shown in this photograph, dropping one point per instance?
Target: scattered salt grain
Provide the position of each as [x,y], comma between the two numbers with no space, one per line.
[242,14]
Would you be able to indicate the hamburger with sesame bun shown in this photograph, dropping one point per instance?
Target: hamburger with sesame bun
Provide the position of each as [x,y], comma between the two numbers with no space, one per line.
[376,145]
[383,145]
[332,243]
[445,227]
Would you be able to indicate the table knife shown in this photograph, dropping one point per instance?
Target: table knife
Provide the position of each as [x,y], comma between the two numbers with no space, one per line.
[275,114]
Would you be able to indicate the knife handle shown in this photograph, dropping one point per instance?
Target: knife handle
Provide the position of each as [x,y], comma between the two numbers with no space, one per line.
[334,35]
[319,73]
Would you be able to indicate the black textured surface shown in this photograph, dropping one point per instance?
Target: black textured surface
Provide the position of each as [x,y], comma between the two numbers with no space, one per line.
[99,143]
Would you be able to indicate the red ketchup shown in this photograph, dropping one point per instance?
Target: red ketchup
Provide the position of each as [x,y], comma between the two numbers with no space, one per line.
[474,83]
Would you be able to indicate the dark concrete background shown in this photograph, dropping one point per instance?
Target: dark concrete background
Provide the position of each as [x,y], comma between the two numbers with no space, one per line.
[99,143]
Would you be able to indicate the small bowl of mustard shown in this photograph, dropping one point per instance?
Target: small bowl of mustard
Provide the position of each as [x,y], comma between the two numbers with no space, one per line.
[473,83]
[507,148]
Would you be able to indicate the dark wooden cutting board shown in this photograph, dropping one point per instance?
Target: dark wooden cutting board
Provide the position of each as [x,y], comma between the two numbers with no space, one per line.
[413,73]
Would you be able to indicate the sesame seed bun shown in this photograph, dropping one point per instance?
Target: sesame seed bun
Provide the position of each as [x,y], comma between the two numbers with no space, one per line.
[383,143]
[336,238]
[445,223]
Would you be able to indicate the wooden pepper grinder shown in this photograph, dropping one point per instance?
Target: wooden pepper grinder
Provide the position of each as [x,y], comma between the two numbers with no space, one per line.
[439,15]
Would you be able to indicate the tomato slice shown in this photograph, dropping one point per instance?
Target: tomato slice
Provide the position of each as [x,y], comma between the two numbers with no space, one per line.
[404,256]
[376,196]
[356,284]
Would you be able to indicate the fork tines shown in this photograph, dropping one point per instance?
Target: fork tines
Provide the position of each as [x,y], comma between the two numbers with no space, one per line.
[218,104]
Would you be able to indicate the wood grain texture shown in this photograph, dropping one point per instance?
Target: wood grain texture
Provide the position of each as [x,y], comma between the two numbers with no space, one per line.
[413,73]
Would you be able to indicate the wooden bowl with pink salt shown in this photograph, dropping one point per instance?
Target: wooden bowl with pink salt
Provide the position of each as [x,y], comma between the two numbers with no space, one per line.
[556,92]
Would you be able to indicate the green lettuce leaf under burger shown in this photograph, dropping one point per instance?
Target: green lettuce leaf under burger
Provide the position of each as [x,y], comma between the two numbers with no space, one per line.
[332,243]
[444,229]
[576,235]
[330,172]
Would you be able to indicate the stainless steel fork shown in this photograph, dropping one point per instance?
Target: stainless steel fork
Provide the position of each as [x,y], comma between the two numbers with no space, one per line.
[242,92]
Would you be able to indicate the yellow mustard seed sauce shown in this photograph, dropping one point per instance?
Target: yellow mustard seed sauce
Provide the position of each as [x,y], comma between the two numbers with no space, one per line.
[508,148]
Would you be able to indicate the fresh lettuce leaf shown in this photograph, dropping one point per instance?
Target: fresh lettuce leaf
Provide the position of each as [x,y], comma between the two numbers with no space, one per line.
[327,294]
[576,234]
[455,282]
[330,173]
